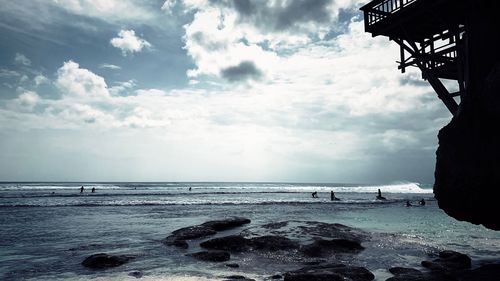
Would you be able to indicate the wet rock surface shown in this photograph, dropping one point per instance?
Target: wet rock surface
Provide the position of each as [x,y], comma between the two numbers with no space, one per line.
[450,266]
[321,251]
[327,272]
[238,277]
[178,237]
[448,261]
[235,243]
[211,256]
[102,260]
[322,247]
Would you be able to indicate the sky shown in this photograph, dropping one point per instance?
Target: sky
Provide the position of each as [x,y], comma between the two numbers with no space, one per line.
[208,90]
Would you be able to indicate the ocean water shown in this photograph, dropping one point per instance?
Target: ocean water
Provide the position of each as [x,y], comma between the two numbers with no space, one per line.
[47,229]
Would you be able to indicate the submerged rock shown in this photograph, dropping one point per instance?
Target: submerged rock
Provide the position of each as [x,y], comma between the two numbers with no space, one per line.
[136,274]
[411,274]
[235,243]
[178,237]
[449,261]
[489,272]
[273,243]
[225,224]
[330,272]
[238,277]
[323,247]
[103,260]
[211,256]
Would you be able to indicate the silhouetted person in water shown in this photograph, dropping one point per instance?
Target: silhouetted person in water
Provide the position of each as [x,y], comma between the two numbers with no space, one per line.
[93,189]
[81,189]
[315,194]
[332,196]
[422,202]
[189,188]
[408,204]
[379,196]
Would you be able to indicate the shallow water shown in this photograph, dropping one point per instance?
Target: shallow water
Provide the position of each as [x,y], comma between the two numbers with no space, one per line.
[46,236]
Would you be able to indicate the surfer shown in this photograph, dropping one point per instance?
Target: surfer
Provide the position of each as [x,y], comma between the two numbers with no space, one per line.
[190,188]
[408,204]
[379,196]
[315,194]
[332,196]
[81,189]
[422,202]
[93,189]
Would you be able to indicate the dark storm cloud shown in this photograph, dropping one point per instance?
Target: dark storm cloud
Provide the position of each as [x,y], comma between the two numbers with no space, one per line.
[241,72]
[279,17]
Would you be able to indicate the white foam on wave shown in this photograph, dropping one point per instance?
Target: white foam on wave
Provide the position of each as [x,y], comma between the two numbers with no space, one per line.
[392,188]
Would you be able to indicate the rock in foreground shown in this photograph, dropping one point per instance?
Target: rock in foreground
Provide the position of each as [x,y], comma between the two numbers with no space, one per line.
[102,260]
[178,237]
[211,256]
[330,272]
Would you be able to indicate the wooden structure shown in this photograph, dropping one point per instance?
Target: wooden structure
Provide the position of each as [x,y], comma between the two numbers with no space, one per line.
[432,35]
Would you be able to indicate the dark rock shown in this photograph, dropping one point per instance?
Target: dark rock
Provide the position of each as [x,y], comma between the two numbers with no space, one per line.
[225,224]
[235,243]
[192,232]
[211,256]
[238,277]
[276,276]
[330,272]
[273,243]
[179,243]
[178,237]
[468,156]
[233,265]
[136,274]
[490,272]
[322,247]
[449,261]
[406,274]
[411,274]
[404,271]
[102,260]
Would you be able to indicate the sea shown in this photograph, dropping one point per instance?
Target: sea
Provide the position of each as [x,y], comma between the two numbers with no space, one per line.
[48,229]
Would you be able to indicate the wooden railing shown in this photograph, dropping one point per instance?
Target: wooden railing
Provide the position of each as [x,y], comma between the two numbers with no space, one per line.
[378,10]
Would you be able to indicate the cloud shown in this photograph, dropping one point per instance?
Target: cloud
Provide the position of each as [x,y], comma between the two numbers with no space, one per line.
[26,101]
[122,87]
[108,10]
[40,79]
[168,5]
[7,73]
[80,82]
[22,60]
[128,42]
[109,66]
[241,72]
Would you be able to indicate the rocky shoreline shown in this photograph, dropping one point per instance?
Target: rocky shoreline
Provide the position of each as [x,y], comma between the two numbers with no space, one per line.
[312,251]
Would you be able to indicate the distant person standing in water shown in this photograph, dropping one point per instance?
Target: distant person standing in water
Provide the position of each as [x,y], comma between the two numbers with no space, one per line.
[332,196]
[422,202]
[189,188]
[379,196]
[93,189]
[408,204]
[315,194]
[81,189]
